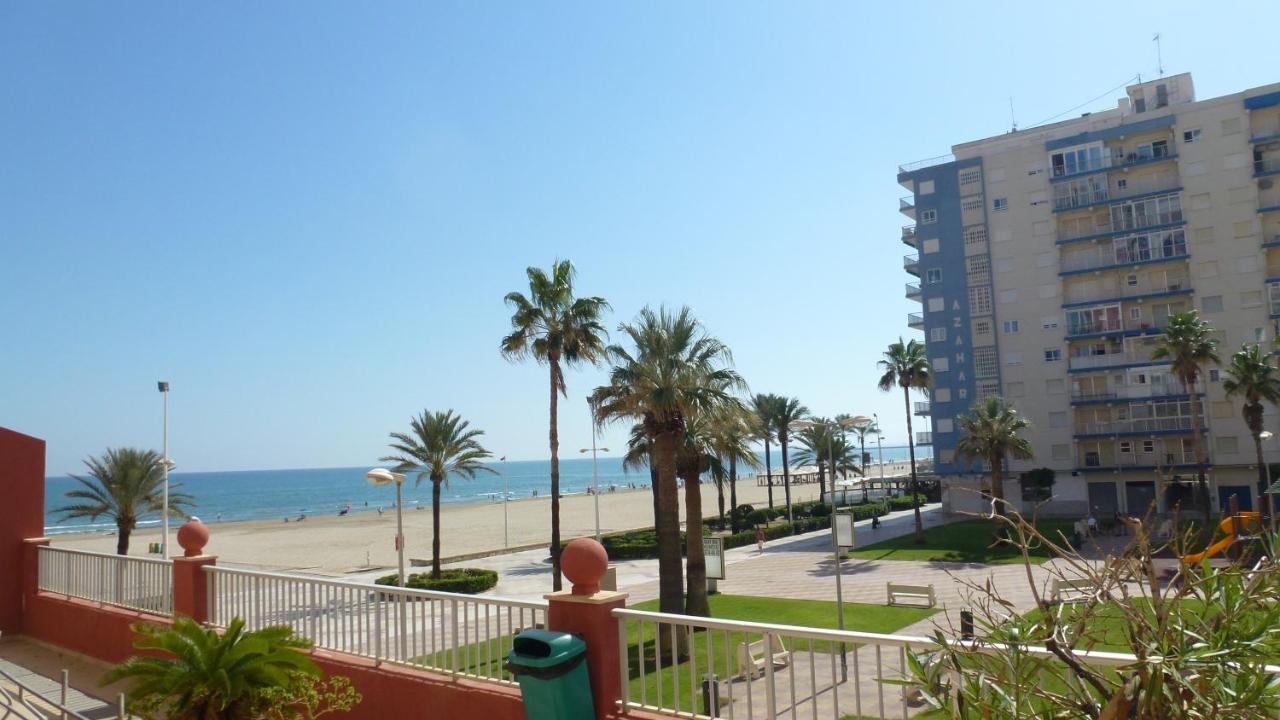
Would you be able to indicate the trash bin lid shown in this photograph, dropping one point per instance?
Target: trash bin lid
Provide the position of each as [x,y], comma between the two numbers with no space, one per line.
[544,648]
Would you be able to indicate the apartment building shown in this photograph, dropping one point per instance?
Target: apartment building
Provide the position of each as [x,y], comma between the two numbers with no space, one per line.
[1047,261]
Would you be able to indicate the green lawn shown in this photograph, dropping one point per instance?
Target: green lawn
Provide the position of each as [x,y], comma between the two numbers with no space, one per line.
[966,541]
[720,646]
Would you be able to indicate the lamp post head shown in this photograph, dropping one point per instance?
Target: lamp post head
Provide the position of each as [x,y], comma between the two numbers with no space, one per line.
[168,464]
[163,386]
[1266,435]
[383,476]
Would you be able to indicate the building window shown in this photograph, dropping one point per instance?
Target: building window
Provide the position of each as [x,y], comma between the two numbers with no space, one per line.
[942,395]
[978,270]
[1231,126]
[924,187]
[981,327]
[1053,355]
[984,362]
[933,276]
[1251,299]
[1135,313]
[928,217]
[980,300]
[944,425]
[1211,303]
[1126,447]
[1049,323]
[938,334]
[1061,452]
[1010,327]
[1000,204]
[1148,446]
[1057,419]
[1214,375]
[1013,358]
[939,364]
[970,176]
[971,204]
[936,304]
[929,246]
[1131,280]
[1008,297]
[975,235]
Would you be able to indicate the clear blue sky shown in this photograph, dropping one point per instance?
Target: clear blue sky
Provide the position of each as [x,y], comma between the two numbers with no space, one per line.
[305,215]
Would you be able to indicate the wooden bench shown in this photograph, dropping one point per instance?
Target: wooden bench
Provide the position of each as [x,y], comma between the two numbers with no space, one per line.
[752,656]
[915,594]
[1072,591]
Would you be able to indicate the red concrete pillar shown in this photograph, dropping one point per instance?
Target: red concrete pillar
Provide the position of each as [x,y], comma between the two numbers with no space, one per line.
[30,572]
[21,517]
[587,611]
[190,581]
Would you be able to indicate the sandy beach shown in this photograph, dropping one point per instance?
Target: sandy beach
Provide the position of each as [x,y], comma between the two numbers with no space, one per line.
[333,545]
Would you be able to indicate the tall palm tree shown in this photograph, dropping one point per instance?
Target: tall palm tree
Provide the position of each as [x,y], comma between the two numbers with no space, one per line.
[1252,377]
[1188,343]
[640,455]
[862,430]
[554,327]
[906,366]
[440,445]
[731,441]
[814,442]
[787,411]
[764,408]
[673,371]
[991,433]
[693,457]
[234,675]
[124,485]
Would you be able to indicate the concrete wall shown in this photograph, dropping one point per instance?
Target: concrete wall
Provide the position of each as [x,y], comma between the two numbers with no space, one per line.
[21,516]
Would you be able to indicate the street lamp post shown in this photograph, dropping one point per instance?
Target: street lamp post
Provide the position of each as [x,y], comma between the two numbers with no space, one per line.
[1268,498]
[383,476]
[879,450]
[595,479]
[505,541]
[164,469]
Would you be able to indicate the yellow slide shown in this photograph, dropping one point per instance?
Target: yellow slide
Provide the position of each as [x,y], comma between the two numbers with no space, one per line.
[1247,521]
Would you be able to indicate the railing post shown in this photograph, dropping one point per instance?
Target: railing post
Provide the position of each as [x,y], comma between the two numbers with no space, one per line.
[587,611]
[190,581]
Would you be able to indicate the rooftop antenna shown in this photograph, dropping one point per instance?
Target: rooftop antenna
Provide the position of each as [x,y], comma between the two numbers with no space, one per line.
[1159,56]
[1013,121]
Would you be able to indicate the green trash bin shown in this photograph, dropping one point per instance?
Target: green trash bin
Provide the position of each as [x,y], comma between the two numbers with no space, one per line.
[552,670]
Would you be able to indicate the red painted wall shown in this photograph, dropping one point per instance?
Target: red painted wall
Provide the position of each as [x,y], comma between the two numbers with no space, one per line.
[21,516]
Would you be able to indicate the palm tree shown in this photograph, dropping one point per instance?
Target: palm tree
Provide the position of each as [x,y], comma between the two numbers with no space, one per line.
[731,441]
[990,434]
[1188,343]
[640,455]
[1252,377]
[787,411]
[124,484]
[764,408]
[862,430]
[554,327]
[234,675]
[439,445]
[674,371]
[813,451]
[906,366]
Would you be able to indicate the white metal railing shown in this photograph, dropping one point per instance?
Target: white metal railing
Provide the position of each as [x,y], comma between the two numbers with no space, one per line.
[1139,425]
[136,583]
[829,674]
[1075,294]
[465,635]
[1123,391]
[1167,245]
[1116,458]
[20,700]
[927,162]
[1266,165]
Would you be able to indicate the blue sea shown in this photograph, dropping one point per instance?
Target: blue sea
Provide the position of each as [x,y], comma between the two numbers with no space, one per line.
[275,494]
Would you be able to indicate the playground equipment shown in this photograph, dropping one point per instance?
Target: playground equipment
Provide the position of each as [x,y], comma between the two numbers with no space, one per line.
[1236,527]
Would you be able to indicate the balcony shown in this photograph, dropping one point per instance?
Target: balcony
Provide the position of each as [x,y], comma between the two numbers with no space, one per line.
[1111,459]
[1171,286]
[1125,188]
[911,263]
[913,292]
[1266,167]
[1144,391]
[1117,159]
[915,321]
[909,236]
[922,408]
[907,206]
[924,438]
[1162,246]
[1138,426]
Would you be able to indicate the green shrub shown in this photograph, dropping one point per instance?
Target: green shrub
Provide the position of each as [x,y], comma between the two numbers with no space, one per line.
[820,511]
[744,510]
[759,517]
[467,581]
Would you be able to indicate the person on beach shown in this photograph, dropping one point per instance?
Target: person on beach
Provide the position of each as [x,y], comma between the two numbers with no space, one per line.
[760,540]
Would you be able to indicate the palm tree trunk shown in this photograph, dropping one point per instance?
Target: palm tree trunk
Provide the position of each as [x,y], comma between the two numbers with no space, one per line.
[667,527]
[1255,428]
[911,452]
[733,494]
[1198,450]
[768,470]
[653,490]
[554,438]
[695,564]
[435,526]
[997,494]
[786,471]
[720,500]
[822,482]
[123,531]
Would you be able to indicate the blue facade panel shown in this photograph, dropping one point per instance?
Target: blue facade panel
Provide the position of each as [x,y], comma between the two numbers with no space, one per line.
[1110,133]
[952,288]
[1262,101]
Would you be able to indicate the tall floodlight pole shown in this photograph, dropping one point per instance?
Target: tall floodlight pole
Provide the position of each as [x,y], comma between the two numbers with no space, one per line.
[505,541]
[879,450]
[164,469]
[595,472]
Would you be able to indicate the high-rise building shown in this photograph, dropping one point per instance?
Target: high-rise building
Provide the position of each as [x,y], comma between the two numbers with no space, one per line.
[1048,260]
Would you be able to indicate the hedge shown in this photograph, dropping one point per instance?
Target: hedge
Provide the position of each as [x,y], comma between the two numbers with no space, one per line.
[467,581]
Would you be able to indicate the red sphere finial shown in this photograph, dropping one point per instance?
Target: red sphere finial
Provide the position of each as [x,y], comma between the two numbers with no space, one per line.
[193,536]
[584,561]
